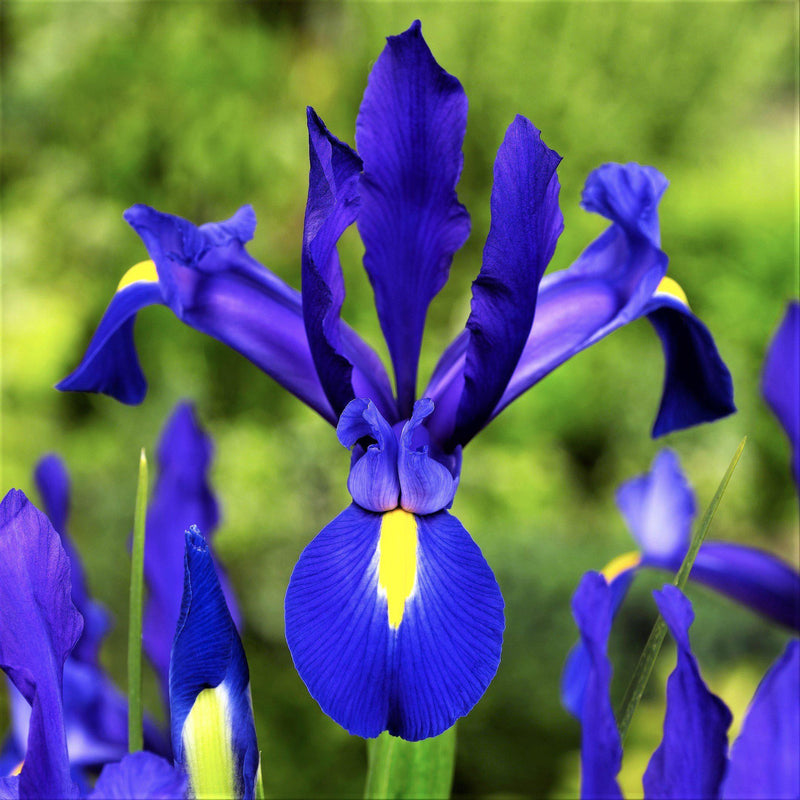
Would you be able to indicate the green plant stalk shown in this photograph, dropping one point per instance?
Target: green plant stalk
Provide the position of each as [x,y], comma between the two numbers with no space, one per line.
[135,738]
[647,660]
[399,769]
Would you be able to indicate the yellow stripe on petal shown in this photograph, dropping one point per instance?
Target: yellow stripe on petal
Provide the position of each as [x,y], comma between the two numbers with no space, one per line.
[18,768]
[143,271]
[672,288]
[618,565]
[397,561]
[207,747]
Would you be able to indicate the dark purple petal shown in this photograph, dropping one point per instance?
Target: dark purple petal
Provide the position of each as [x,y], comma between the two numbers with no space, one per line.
[332,206]
[692,756]
[764,761]
[697,384]
[426,485]
[373,481]
[601,749]
[143,776]
[111,364]
[659,508]
[39,625]
[207,654]
[752,577]
[526,223]
[52,481]
[182,497]
[780,382]
[409,133]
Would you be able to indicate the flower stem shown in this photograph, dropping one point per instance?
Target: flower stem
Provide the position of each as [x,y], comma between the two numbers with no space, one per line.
[135,618]
[647,660]
[399,769]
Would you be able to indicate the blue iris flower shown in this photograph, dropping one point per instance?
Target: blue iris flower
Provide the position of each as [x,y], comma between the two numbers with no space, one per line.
[692,759]
[393,617]
[40,626]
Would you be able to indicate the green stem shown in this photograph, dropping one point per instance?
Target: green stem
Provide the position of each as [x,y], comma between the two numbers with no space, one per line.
[399,769]
[135,618]
[647,660]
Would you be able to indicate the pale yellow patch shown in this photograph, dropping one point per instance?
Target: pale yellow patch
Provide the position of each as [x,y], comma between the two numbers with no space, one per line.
[397,561]
[208,752]
[143,271]
[673,288]
[621,563]
[18,768]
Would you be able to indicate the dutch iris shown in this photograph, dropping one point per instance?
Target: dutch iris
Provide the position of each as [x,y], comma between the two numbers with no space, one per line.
[393,617]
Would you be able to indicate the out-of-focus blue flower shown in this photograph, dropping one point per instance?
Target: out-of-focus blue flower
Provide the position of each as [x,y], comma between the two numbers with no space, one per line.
[393,617]
[692,759]
[39,626]
[780,381]
[659,508]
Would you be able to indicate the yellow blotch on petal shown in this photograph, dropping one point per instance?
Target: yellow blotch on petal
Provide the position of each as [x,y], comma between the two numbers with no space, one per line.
[619,564]
[207,747]
[143,271]
[673,288]
[397,561]
[18,768]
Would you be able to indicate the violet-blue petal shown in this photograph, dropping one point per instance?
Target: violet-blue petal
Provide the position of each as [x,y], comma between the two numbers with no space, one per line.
[578,665]
[39,626]
[182,497]
[111,364]
[697,384]
[692,756]
[143,776]
[526,223]
[780,381]
[374,664]
[752,577]
[764,763]
[332,206]
[373,481]
[9,788]
[601,749]
[52,481]
[426,485]
[409,133]
[208,653]
[659,507]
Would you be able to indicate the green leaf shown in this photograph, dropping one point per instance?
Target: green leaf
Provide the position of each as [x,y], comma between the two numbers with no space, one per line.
[400,769]
[135,614]
[647,660]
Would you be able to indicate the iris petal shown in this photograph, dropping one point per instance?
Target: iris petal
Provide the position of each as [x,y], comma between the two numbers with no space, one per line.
[764,761]
[780,381]
[601,749]
[39,626]
[413,670]
[526,223]
[409,133]
[691,759]
[208,654]
[140,775]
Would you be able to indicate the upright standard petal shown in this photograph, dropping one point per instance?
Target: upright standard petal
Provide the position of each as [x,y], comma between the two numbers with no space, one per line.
[213,733]
[332,206]
[409,133]
[394,622]
[691,759]
[206,277]
[618,278]
[764,763]
[182,497]
[39,626]
[140,775]
[526,224]
[780,382]
[601,749]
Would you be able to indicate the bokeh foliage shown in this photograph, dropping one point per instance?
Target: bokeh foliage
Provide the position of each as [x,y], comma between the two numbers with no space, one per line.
[197,108]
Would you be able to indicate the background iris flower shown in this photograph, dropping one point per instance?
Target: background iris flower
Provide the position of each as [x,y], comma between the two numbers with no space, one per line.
[393,617]
[692,759]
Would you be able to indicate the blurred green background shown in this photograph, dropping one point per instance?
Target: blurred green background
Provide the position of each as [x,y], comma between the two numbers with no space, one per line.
[196,108]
